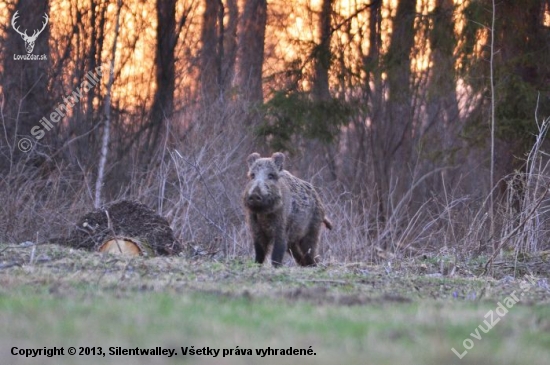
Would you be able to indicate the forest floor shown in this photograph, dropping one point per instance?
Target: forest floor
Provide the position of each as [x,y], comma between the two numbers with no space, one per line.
[405,312]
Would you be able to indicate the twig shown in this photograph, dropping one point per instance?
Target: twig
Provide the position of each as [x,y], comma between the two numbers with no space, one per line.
[10,264]
[31,260]
[326,281]
[492,79]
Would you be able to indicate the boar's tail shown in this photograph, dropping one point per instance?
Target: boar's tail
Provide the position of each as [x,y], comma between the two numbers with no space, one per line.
[327,223]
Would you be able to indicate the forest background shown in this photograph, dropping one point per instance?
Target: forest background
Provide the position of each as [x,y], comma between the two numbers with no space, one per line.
[387,106]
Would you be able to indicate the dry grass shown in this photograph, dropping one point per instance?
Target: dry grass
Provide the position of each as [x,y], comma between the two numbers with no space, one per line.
[441,278]
[197,186]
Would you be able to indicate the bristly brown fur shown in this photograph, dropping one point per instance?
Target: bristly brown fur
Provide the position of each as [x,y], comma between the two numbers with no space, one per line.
[282,211]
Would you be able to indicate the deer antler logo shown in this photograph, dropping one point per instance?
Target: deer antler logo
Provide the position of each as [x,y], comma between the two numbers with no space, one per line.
[29,41]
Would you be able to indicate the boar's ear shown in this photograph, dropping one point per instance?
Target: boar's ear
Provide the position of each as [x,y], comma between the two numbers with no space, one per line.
[279,160]
[252,158]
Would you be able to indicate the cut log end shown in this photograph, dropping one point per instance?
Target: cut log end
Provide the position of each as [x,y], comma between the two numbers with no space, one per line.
[121,247]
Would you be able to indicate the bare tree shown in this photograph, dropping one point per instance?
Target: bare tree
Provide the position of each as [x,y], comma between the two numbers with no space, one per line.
[398,65]
[230,44]
[374,95]
[442,99]
[211,51]
[107,117]
[322,54]
[442,121]
[168,31]
[96,28]
[250,54]
[392,121]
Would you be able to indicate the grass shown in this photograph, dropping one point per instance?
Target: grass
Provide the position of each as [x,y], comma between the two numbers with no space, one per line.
[347,314]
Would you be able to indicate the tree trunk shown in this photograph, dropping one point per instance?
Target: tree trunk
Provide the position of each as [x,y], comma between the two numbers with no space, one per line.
[375,95]
[442,102]
[210,52]
[163,101]
[398,67]
[230,45]
[105,140]
[398,125]
[93,55]
[250,53]
[322,54]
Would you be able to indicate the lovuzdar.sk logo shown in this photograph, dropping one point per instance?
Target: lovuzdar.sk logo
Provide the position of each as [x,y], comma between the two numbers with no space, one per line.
[29,40]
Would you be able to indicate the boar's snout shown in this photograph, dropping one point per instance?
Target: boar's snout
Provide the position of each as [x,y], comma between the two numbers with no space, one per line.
[254,199]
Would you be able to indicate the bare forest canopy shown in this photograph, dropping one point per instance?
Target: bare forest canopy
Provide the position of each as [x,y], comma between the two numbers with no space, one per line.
[369,98]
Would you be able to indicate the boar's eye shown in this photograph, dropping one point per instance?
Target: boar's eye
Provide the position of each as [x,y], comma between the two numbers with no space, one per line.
[252,175]
[271,176]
